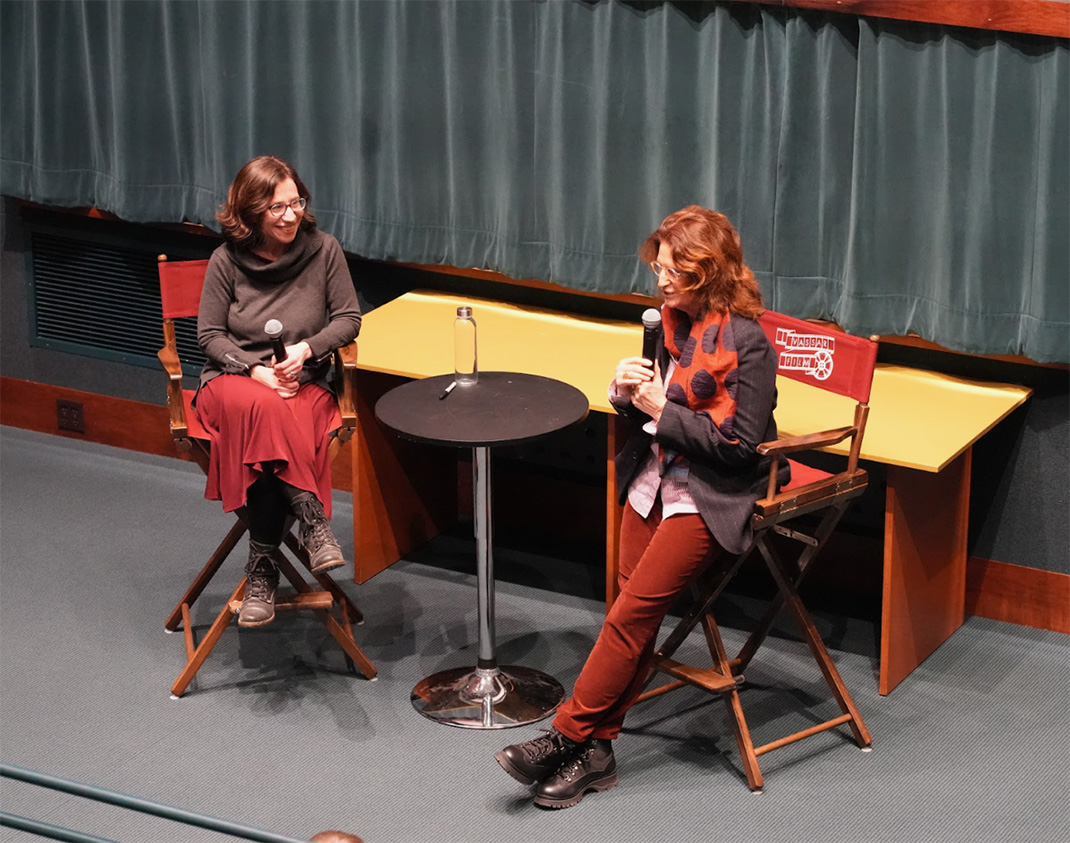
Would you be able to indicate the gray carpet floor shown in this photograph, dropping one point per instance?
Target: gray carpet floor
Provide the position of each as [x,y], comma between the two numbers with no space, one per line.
[96,544]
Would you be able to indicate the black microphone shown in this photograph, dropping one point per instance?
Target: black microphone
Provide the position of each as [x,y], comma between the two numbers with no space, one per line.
[651,326]
[273,329]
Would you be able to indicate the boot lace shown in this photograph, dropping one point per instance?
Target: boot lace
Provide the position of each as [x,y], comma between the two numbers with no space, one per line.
[315,531]
[261,577]
[573,766]
[316,535]
[259,585]
[542,747]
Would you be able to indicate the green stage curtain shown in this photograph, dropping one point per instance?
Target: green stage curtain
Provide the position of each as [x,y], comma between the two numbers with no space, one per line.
[891,176]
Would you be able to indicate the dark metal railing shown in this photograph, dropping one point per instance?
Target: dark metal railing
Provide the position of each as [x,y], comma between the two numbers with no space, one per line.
[121,800]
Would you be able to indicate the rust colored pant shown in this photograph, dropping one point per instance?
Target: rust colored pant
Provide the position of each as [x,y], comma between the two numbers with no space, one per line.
[658,559]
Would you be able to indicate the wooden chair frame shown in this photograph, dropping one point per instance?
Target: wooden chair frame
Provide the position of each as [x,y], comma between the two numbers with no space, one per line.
[327,600]
[772,515]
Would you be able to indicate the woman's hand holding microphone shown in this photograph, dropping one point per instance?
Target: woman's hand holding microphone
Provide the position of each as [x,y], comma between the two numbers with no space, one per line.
[640,379]
[284,376]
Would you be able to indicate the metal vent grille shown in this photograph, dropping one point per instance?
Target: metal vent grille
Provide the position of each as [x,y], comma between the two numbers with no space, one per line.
[102,300]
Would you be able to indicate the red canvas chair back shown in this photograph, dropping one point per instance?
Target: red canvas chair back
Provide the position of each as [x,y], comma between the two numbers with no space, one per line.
[180,296]
[820,356]
[180,287]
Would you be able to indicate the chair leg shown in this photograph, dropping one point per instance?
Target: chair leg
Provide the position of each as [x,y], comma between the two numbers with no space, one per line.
[228,544]
[197,655]
[714,584]
[343,634]
[352,613]
[325,581]
[747,755]
[726,675]
[761,631]
[817,646]
[344,637]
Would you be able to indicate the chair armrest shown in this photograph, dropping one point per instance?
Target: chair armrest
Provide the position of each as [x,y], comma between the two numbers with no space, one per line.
[348,355]
[168,357]
[806,442]
[802,499]
[345,362]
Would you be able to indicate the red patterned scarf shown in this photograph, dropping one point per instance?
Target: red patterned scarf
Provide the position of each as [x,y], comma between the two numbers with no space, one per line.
[706,378]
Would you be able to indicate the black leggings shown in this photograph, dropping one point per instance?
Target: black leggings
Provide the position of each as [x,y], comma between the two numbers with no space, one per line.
[266,510]
[268,503]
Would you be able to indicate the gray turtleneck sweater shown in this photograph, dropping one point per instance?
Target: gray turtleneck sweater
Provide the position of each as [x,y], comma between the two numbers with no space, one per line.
[309,289]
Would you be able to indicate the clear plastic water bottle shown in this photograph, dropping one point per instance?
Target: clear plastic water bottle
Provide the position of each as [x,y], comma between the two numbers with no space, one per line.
[465,366]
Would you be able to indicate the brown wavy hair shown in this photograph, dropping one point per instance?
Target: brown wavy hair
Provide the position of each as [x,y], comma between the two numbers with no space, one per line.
[706,247]
[249,196]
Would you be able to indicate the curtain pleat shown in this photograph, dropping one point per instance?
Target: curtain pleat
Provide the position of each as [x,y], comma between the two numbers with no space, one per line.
[962,190]
[893,177]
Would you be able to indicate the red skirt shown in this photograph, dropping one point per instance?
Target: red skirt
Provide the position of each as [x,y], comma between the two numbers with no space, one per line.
[251,425]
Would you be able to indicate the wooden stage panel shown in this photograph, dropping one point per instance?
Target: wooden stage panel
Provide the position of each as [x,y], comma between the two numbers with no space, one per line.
[924,590]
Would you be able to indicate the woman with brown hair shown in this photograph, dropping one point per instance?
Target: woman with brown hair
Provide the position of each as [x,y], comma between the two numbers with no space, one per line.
[270,418]
[688,478]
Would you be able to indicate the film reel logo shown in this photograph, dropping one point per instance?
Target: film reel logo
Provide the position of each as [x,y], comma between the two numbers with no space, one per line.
[811,354]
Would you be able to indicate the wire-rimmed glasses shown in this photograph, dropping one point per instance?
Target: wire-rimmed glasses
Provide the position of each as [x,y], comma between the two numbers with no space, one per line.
[279,208]
[674,274]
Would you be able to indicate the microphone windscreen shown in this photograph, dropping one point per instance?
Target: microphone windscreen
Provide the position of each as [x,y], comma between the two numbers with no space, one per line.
[273,329]
[651,326]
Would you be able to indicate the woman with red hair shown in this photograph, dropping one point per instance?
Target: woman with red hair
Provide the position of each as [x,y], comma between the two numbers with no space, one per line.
[688,478]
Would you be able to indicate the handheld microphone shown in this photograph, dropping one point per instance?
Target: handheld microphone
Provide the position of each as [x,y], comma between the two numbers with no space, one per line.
[273,329]
[651,326]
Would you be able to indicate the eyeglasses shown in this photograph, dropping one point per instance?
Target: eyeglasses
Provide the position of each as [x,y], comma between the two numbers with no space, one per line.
[674,274]
[279,208]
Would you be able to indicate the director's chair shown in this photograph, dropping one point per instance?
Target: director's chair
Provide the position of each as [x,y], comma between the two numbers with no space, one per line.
[828,360]
[180,293]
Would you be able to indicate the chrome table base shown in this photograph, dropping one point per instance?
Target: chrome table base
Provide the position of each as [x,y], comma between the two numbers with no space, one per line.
[487,696]
[495,698]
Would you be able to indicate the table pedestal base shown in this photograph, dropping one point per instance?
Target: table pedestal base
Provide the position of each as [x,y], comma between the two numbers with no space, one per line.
[482,698]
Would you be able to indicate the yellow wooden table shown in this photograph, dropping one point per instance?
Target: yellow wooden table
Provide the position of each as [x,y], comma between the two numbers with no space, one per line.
[412,336]
[922,425]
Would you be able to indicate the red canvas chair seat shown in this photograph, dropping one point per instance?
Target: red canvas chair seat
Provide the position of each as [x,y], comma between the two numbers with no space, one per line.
[803,475]
[829,360]
[194,428]
[180,294]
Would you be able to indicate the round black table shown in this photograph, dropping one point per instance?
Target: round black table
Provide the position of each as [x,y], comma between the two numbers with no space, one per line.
[502,408]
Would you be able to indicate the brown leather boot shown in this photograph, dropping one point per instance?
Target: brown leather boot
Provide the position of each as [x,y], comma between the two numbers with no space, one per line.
[314,532]
[261,582]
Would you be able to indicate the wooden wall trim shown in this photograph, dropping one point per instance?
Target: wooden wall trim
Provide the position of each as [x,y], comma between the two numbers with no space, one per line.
[534,283]
[1017,594]
[119,422]
[1036,17]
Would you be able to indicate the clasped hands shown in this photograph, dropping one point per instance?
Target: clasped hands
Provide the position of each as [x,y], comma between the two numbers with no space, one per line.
[640,380]
[285,376]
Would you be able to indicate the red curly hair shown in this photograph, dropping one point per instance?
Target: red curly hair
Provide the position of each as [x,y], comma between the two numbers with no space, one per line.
[705,247]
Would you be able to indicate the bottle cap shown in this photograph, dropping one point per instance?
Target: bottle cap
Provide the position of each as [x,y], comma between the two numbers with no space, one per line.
[464,312]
